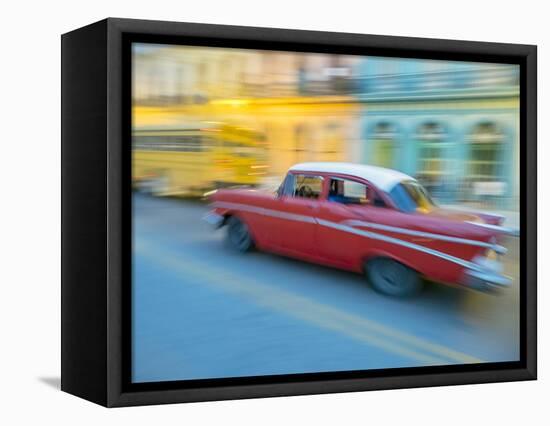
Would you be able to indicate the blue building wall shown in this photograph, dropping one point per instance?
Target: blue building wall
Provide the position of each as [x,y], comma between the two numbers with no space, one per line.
[456,97]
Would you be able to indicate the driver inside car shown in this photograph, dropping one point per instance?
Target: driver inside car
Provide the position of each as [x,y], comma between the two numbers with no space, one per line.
[336,191]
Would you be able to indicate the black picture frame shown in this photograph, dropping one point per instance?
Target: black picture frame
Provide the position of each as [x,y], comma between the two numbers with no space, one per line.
[96,212]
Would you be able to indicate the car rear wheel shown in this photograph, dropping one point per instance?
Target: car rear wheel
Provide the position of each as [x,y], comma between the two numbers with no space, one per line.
[238,235]
[393,278]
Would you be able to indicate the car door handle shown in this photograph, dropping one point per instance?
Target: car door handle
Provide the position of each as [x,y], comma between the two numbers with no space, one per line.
[311,206]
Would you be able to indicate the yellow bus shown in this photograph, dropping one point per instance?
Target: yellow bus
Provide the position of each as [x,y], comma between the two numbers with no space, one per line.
[193,159]
[235,142]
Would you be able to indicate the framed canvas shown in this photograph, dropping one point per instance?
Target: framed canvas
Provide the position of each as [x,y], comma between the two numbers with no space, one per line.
[255,212]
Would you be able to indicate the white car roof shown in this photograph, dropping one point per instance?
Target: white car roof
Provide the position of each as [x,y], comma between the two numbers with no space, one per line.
[384,179]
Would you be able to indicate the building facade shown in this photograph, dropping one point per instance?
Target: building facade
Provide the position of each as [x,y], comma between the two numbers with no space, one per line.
[302,103]
[452,125]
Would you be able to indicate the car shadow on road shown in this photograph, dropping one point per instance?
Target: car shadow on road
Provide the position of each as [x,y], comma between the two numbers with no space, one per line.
[449,305]
[432,293]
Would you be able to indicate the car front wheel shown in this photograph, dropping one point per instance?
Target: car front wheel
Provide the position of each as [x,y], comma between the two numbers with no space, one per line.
[238,235]
[393,278]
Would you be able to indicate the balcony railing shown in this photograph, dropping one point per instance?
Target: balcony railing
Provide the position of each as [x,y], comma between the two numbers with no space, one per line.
[482,79]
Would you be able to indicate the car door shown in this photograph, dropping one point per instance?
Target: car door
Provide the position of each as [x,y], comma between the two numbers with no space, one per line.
[294,222]
[348,200]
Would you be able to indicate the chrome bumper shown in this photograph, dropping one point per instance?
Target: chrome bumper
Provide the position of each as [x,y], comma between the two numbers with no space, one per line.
[214,219]
[486,276]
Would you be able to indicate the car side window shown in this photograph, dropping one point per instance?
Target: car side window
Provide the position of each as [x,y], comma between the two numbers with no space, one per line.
[347,191]
[307,186]
[287,187]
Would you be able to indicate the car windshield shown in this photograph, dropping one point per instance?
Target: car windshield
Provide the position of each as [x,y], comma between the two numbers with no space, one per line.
[410,196]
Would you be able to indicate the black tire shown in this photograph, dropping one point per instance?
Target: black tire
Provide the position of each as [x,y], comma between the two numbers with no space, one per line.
[393,278]
[238,235]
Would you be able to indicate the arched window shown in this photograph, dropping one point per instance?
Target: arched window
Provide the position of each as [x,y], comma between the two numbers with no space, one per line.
[383,145]
[486,146]
[433,151]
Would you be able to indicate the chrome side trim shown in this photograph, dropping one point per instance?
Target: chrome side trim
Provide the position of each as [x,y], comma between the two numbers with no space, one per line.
[349,229]
[397,241]
[508,231]
[266,212]
[422,234]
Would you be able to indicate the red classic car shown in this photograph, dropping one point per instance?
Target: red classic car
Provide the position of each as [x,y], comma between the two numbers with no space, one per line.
[365,219]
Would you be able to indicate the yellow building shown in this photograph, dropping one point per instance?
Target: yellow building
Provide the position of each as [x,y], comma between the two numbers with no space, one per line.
[227,142]
[212,117]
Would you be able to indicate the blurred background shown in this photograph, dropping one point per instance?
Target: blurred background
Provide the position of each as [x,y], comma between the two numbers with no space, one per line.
[206,118]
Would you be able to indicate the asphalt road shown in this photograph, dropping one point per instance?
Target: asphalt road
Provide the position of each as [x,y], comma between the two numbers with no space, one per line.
[200,310]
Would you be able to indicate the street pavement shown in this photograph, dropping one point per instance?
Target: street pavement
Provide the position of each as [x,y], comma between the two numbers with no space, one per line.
[200,310]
